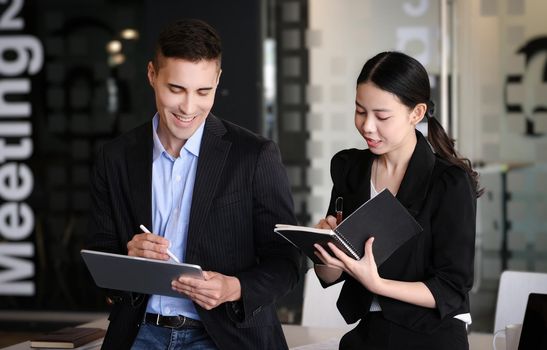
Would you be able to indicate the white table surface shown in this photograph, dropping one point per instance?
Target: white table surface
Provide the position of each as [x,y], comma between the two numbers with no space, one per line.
[297,336]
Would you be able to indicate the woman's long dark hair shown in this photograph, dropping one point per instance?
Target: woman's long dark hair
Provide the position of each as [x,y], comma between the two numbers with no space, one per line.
[407,79]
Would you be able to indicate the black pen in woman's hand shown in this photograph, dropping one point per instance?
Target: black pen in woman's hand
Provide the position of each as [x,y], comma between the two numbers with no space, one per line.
[338,208]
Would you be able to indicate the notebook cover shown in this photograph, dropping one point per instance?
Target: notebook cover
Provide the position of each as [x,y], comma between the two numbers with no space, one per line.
[383,217]
[305,237]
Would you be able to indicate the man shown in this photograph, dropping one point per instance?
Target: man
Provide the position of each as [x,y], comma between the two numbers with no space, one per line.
[210,191]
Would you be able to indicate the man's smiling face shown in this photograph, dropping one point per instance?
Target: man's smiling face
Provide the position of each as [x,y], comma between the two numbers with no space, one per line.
[185,93]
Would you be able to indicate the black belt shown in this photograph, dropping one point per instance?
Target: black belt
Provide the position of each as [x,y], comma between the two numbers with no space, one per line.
[172,321]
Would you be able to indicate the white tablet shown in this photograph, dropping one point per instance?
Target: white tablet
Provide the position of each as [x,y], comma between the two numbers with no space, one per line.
[134,274]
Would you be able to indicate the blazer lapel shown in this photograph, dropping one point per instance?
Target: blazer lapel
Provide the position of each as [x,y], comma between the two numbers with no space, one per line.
[212,157]
[415,183]
[139,170]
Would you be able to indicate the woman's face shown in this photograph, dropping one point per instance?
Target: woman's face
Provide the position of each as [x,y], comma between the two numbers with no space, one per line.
[383,120]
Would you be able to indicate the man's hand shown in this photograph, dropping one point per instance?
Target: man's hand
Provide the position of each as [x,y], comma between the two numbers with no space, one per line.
[148,245]
[216,289]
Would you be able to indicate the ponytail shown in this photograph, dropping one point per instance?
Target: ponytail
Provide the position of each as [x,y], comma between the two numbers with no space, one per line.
[444,146]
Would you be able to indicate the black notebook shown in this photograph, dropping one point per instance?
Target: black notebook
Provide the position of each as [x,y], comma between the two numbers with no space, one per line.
[68,338]
[383,217]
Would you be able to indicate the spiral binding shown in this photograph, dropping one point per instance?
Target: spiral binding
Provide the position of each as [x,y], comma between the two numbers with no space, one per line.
[347,244]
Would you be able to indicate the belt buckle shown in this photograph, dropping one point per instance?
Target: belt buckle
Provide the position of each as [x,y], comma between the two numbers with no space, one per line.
[169,321]
[183,322]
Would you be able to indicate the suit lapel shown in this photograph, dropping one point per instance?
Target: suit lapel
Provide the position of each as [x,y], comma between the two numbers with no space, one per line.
[139,170]
[415,184]
[212,157]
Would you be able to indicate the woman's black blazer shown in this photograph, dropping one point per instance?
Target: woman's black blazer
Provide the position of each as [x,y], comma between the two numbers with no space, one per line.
[440,197]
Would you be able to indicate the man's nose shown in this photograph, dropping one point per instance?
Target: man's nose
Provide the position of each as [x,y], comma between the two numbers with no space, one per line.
[188,105]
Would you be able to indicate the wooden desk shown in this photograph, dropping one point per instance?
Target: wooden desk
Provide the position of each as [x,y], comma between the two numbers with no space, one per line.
[296,336]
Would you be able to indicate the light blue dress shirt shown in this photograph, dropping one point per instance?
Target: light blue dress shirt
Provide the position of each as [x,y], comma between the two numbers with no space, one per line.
[172,188]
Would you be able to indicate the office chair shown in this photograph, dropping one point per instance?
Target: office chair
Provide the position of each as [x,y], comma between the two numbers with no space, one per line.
[513,295]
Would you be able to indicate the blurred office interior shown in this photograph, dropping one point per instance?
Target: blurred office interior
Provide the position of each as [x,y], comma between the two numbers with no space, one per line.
[73,75]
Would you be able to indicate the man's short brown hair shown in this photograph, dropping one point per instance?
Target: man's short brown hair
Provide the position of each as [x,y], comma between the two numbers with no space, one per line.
[189,39]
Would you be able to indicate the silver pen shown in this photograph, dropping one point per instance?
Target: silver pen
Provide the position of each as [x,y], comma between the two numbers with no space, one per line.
[171,255]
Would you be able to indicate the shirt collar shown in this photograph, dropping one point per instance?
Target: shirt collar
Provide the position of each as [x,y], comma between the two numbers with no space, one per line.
[192,145]
[158,147]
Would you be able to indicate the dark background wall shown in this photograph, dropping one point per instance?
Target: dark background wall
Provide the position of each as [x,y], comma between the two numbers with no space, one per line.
[239,23]
[79,100]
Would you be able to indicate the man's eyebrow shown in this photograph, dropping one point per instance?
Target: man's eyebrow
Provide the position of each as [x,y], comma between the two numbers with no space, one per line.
[176,86]
[183,88]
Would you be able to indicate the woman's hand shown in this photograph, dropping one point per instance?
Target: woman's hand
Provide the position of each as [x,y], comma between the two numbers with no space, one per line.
[327,223]
[364,270]
[326,273]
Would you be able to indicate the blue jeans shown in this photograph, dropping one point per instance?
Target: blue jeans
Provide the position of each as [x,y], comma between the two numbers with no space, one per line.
[151,337]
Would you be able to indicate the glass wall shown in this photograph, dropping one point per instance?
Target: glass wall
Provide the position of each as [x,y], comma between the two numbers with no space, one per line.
[503,104]
[495,66]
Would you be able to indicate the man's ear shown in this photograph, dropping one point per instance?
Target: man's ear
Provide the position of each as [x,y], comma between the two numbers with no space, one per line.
[218,76]
[151,73]
[418,113]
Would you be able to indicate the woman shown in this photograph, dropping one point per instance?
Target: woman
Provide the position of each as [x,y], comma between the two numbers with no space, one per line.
[418,298]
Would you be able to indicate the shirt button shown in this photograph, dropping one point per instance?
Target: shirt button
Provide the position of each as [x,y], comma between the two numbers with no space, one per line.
[177,178]
[167,310]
